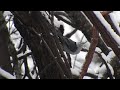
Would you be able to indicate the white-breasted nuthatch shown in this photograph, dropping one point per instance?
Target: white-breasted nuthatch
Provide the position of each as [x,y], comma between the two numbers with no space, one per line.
[69,45]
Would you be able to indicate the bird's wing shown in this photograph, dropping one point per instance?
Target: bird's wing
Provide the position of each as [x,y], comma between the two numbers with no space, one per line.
[71,45]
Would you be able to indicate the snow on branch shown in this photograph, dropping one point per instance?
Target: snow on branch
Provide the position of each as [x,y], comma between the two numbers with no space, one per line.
[6,74]
[62,14]
[116,24]
[113,22]
[107,26]
[109,36]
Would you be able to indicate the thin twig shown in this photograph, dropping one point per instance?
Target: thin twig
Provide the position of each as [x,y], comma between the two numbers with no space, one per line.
[107,67]
[27,72]
[26,55]
[75,61]
[91,75]
[71,33]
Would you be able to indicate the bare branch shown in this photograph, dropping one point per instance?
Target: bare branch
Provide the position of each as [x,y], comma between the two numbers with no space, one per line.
[107,67]
[105,13]
[104,33]
[109,20]
[88,59]
[71,33]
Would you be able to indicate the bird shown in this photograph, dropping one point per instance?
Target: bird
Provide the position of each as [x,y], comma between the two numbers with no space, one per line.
[69,45]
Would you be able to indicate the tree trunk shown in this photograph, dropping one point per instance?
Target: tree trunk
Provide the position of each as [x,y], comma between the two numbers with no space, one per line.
[35,29]
[4,39]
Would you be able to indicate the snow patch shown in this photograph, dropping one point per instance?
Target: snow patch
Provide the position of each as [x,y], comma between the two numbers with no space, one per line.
[75,72]
[103,70]
[6,74]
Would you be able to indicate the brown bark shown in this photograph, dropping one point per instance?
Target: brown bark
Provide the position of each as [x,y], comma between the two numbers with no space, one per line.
[88,59]
[105,13]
